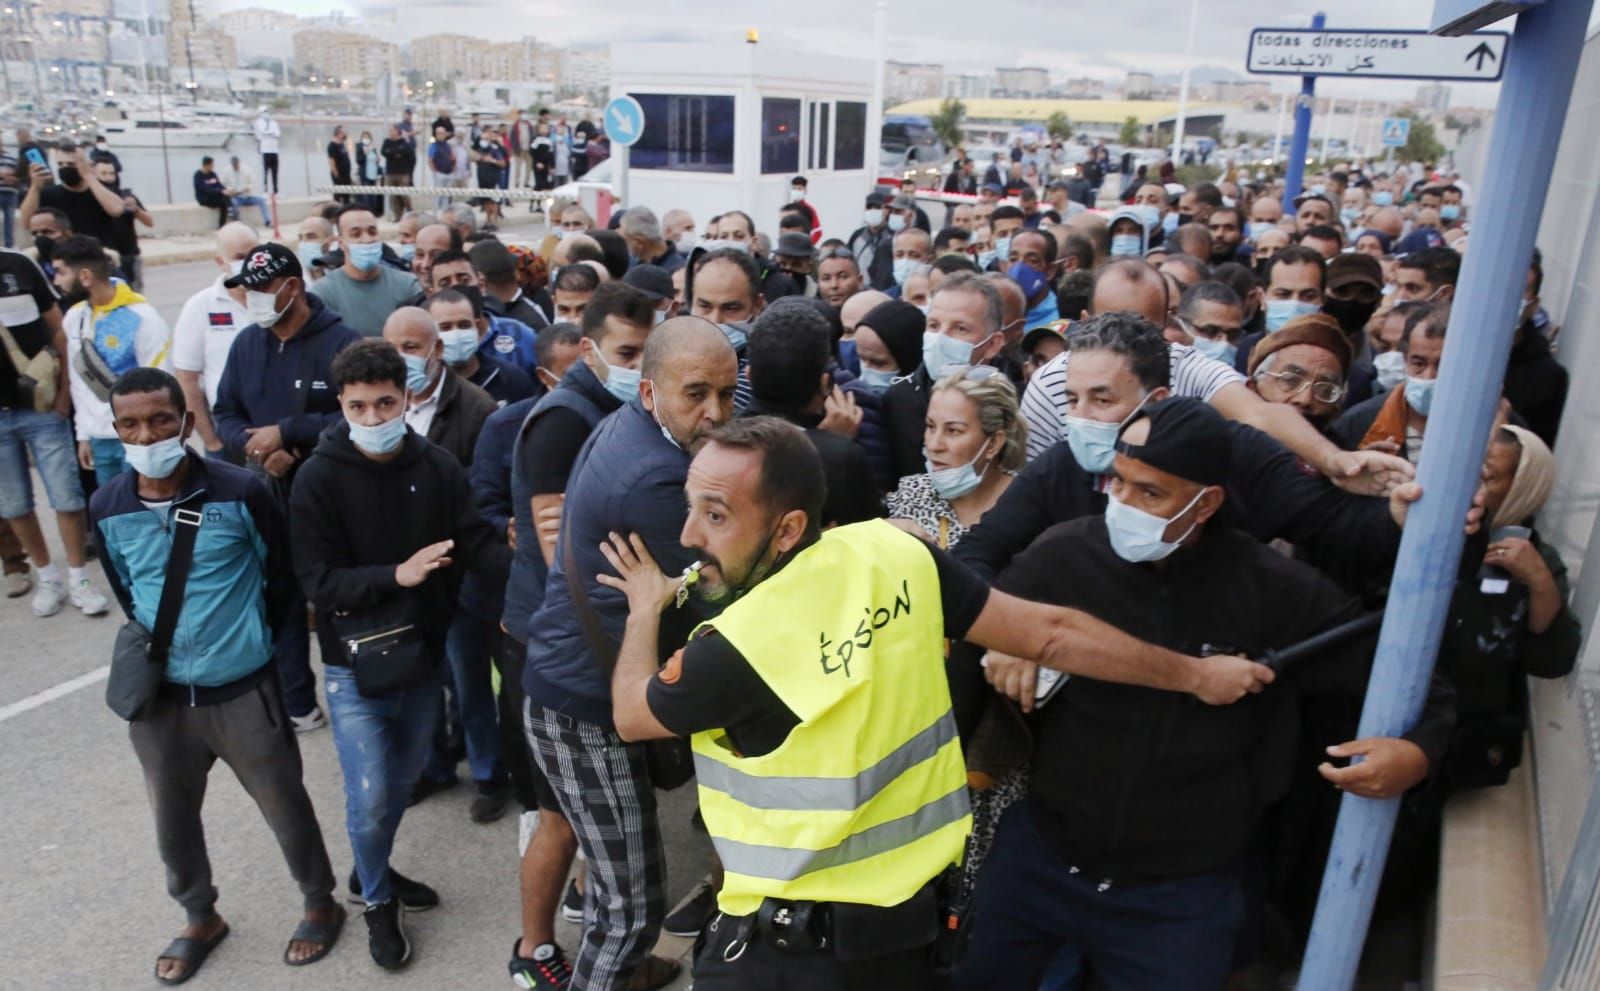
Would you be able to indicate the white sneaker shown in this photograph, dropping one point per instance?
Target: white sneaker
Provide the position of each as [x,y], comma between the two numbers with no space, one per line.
[48,596]
[526,824]
[88,599]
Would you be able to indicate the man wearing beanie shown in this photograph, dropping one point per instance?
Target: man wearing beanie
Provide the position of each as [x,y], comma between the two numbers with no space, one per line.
[1353,292]
[1304,365]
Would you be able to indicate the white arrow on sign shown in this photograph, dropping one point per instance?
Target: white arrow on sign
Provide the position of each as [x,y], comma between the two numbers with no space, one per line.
[1377,54]
[621,123]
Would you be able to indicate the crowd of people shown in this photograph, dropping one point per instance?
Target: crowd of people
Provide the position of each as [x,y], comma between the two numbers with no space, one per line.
[941,558]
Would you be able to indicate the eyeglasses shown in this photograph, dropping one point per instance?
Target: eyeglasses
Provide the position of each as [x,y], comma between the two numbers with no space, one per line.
[1295,383]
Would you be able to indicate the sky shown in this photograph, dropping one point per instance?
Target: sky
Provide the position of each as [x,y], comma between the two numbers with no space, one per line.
[1069,39]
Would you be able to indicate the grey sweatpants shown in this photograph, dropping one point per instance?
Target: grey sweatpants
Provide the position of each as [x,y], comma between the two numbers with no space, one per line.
[177,743]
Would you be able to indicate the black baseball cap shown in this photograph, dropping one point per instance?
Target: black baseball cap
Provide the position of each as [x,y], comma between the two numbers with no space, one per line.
[1187,438]
[264,265]
[652,280]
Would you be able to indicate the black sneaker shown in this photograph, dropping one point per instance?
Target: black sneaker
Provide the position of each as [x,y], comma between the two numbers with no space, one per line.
[546,970]
[572,903]
[386,934]
[693,912]
[426,787]
[414,895]
[490,802]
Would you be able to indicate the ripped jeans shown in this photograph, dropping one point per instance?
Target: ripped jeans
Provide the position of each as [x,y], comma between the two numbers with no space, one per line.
[381,744]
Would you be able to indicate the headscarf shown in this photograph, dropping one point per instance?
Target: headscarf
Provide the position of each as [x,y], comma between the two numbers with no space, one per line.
[532,270]
[1530,486]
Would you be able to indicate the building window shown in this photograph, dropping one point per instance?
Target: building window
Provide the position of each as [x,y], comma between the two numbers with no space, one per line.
[817,154]
[684,133]
[780,136]
[849,136]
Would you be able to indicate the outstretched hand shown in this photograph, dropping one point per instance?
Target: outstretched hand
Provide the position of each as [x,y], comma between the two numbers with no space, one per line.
[641,580]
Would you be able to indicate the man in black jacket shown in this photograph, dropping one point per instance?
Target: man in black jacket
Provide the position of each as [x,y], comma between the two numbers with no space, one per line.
[789,379]
[873,243]
[1127,863]
[379,519]
[399,161]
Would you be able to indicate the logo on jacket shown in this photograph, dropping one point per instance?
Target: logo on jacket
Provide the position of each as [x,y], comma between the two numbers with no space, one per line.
[505,343]
[213,515]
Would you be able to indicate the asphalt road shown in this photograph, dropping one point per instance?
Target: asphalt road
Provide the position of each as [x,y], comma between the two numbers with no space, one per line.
[85,901]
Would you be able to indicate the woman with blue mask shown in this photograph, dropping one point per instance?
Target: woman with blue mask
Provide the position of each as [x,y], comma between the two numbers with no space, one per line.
[889,343]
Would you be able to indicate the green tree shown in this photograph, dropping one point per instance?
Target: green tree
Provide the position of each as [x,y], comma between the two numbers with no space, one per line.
[1131,133]
[1422,143]
[946,122]
[1059,127]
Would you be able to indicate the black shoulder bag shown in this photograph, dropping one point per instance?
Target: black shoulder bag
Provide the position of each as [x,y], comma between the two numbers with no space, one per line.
[670,761]
[385,650]
[139,659]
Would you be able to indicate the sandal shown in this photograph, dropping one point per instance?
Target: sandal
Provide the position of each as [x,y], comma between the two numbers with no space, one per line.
[192,953]
[653,973]
[324,936]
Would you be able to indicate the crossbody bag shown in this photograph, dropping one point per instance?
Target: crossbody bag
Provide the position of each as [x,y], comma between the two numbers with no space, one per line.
[36,377]
[139,658]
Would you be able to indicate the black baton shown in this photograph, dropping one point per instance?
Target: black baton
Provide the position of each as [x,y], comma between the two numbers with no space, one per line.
[1283,657]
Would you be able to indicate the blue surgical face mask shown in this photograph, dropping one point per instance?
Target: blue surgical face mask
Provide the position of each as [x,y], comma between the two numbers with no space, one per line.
[986,258]
[737,333]
[381,439]
[1281,311]
[1419,394]
[1260,227]
[406,251]
[876,379]
[416,373]
[459,346]
[1126,245]
[1094,443]
[953,483]
[309,253]
[366,256]
[1349,216]
[1169,223]
[903,267]
[1390,367]
[620,382]
[1136,535]
[1319,190]
[1216,349]
[1383,198]
[157,460]
[1450,211]
[940,352]
[1151,215]
[849,356]
[897,222]
[1002,248]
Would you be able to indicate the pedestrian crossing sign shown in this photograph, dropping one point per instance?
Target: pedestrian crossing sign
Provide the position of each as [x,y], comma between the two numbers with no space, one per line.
[1396,131]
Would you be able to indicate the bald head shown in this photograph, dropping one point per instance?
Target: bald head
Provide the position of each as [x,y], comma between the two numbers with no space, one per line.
[564,248]
[859,305]
[234,240]
[1013,304]
[1094,227]
[684,341]
[1390,220]
[600,269]
[1133,286]
[409,322]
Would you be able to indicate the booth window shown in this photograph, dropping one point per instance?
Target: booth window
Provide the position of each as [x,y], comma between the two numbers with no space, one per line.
[780,135]
[849,136]
[684,133]
[817,154]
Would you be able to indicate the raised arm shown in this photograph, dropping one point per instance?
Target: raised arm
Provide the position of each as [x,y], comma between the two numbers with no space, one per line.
[1362,472]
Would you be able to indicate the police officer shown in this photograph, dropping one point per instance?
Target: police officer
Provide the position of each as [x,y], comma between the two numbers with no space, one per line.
[830,772]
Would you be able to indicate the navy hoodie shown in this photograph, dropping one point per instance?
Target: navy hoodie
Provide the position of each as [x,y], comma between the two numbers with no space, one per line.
[263,374]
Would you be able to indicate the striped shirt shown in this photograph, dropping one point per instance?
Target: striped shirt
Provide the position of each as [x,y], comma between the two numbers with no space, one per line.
[1044,405]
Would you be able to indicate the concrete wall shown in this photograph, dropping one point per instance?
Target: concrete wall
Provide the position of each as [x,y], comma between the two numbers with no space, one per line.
[192,218]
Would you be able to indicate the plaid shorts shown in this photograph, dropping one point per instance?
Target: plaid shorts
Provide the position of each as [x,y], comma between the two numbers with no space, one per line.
[603,787]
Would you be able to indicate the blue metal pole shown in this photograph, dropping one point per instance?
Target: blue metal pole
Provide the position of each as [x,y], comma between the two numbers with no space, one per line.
[1301,142]
[1542,59]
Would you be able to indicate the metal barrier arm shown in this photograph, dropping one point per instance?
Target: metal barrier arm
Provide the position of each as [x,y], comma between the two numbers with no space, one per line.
[452,192]
[1541,63]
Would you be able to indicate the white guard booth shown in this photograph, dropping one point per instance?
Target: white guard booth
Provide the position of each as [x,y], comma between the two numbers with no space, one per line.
[728,125]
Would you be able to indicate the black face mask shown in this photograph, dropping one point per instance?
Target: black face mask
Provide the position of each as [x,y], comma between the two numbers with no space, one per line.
[69,175]
[1185,218]
[45,246]
[1352,314]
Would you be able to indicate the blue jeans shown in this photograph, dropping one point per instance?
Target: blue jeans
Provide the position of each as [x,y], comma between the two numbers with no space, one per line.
[48,439]
[8,216]
[1031,910]
[108,459]
[240,202]
[469,644]
[381,743]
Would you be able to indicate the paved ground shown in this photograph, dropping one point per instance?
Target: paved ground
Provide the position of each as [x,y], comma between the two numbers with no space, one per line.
[85,897]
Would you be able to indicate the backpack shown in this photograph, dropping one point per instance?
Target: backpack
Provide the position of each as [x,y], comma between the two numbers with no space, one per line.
[442,157]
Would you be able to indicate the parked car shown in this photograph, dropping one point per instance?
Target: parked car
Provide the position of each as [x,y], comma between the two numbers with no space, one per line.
[598,177]
[908,141]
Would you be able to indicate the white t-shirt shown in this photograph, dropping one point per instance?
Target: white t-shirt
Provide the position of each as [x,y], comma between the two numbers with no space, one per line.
[419,416]
[1044,405]
[204,334]
[267,134]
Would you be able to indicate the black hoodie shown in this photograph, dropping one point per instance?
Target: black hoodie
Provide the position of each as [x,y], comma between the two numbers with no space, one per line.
[356,519]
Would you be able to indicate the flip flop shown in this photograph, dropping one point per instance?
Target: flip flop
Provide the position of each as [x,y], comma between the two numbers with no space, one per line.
[324,936]
[192,953]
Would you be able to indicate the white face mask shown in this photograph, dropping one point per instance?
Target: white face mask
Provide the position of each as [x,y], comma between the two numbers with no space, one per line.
[263,307]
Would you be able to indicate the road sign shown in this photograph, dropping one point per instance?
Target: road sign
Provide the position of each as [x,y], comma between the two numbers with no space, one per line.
[1396,132]
[1377,54]
[624,121]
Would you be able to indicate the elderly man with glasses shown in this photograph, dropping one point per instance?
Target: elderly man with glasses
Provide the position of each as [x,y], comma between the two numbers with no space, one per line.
[1305,366]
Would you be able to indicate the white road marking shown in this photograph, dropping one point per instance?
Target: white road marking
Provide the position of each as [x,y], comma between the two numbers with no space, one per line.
[54,692]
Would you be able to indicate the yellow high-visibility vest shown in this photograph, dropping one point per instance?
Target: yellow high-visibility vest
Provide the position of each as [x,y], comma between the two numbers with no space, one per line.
[866,800]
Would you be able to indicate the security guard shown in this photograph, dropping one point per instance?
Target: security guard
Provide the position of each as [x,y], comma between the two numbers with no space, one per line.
[830,772]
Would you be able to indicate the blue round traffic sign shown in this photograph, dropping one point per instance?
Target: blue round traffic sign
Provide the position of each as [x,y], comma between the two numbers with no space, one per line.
[624,121]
